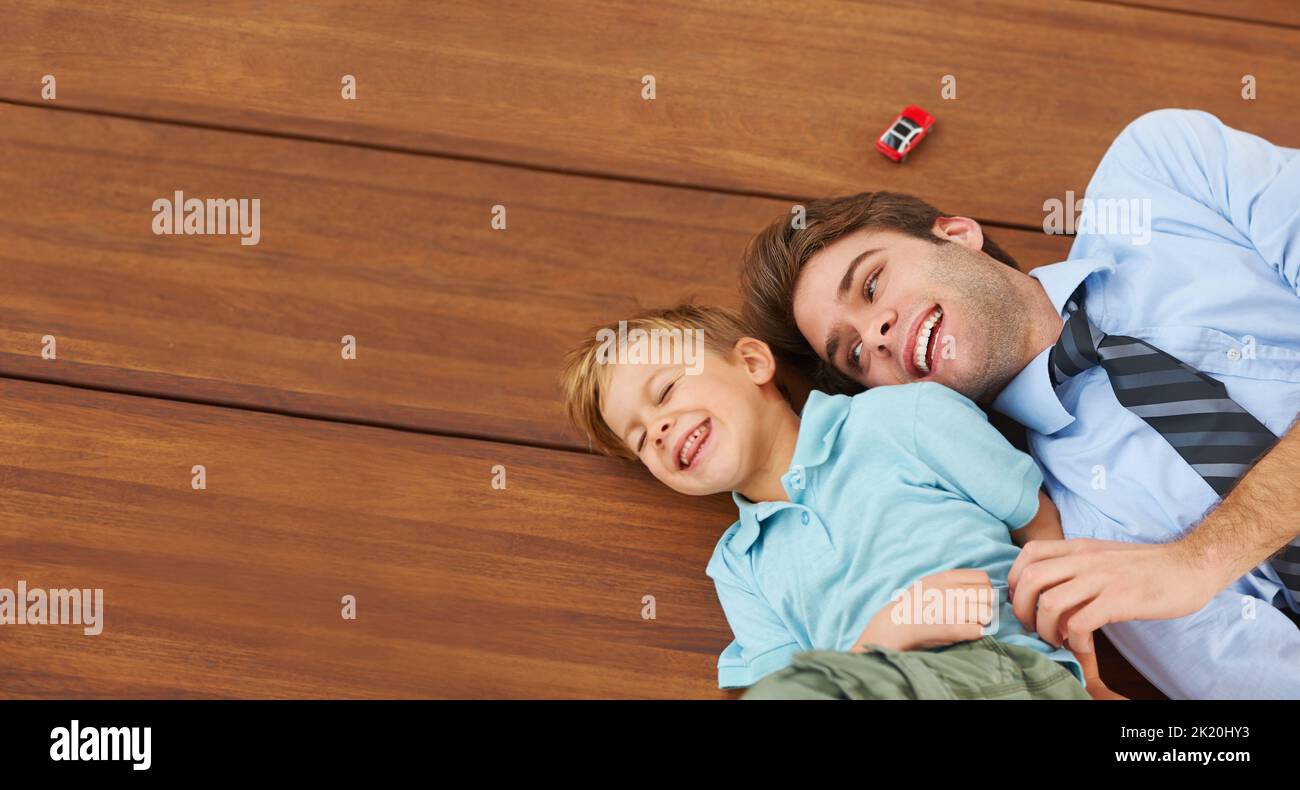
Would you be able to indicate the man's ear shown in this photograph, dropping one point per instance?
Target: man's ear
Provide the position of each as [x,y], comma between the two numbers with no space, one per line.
[962,230]
[757,358]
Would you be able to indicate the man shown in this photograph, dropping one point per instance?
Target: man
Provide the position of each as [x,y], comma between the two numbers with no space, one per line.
[1156,370]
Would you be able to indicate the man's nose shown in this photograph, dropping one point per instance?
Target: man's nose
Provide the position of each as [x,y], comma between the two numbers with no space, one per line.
[879,330]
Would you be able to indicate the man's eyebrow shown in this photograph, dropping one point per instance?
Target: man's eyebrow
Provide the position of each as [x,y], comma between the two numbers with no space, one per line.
[847,280]
[832,342]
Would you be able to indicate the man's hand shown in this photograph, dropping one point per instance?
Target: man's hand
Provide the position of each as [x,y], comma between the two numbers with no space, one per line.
[1065,590]
[960,626]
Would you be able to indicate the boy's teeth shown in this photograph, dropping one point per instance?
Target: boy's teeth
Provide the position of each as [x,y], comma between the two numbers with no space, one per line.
[690,442]
[923,339]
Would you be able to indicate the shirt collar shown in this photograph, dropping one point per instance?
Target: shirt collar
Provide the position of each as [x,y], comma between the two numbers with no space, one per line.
[1029,398]
[819,427]
[752,515]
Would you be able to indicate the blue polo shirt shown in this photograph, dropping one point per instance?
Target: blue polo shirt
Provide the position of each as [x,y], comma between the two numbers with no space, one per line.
[885,487]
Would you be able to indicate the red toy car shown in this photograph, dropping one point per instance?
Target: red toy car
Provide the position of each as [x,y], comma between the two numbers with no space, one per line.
[905,133]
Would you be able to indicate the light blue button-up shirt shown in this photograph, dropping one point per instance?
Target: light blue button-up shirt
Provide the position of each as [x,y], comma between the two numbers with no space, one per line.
[1216,286]
[885,487]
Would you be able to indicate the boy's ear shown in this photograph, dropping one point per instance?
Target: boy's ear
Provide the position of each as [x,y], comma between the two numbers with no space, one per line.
[757,358]
[963,230]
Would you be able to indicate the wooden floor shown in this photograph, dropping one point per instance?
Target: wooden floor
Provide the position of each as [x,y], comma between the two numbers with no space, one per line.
[373,477]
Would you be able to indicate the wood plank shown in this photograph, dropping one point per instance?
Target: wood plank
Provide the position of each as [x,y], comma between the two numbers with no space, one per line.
[462,591]
[460,328]
[749,97]
[234,591]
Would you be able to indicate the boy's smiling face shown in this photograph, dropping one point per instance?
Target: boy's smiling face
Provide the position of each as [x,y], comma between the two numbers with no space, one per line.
[698,434]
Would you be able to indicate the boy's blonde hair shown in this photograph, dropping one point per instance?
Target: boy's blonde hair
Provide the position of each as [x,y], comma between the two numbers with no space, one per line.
[586,374]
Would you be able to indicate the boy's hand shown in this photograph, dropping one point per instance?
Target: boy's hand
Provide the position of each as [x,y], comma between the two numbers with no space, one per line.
[960,626]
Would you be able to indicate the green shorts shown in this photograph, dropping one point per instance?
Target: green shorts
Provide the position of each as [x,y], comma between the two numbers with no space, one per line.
[981,669]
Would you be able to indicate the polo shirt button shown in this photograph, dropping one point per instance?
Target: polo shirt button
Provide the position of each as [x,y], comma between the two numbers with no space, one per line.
[803,517]
[1234,354]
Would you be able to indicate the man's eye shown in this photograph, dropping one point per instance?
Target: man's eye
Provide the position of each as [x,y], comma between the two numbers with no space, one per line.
[869,288]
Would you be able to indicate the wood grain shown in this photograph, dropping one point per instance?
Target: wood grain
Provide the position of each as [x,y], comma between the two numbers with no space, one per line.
[234,591]
[749,96]
[460,328]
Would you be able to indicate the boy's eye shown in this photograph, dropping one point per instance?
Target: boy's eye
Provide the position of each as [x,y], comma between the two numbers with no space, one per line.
[855,355]
[663,396]
[869,288]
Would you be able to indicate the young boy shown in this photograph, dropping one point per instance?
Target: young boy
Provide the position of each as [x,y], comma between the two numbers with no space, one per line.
[839,509]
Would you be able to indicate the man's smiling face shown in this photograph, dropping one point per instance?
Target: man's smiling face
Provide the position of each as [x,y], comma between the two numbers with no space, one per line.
[886,308]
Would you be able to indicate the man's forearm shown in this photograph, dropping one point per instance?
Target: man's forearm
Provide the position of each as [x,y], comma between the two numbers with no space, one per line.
[1255,520]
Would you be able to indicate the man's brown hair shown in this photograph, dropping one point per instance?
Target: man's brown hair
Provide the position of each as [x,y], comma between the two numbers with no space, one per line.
[775,258]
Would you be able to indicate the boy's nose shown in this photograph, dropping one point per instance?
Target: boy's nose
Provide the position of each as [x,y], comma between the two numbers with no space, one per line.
[663,432]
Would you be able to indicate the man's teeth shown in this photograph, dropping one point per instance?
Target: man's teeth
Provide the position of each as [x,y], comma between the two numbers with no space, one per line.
[923,339]
[695,436]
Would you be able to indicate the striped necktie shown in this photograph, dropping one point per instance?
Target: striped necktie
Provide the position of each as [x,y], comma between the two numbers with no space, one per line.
[1211,431]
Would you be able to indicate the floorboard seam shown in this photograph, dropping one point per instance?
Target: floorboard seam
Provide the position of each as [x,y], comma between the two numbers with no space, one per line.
[301,415]
[435,154]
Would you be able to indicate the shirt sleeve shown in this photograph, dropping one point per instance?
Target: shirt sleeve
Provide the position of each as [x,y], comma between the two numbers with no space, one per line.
[970,458]
[1252,185]
[762,643]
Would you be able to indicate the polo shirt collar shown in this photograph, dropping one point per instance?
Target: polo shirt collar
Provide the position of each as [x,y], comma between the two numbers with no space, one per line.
[1029,398]
[819,427]
[752,515]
